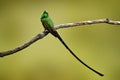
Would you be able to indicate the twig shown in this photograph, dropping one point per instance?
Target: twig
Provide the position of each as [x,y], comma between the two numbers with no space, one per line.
[44,33]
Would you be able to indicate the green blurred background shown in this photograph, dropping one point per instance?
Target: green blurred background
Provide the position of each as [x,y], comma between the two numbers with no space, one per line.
[47,59]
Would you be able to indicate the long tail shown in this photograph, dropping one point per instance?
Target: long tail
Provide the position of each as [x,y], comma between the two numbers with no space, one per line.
[61,40]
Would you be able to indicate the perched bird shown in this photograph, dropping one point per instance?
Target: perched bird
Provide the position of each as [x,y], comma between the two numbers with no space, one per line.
[48,25]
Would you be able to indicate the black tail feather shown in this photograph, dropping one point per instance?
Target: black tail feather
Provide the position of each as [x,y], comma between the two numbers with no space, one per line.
[61,40]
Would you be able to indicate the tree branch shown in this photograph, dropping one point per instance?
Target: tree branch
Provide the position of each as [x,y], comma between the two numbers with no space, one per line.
[34,39]
[44,33]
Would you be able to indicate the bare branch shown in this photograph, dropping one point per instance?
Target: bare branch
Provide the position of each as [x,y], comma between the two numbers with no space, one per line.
[108,21]
[12,51]
[44,33]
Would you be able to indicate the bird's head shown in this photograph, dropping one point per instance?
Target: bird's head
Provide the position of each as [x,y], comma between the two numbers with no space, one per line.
[44,15]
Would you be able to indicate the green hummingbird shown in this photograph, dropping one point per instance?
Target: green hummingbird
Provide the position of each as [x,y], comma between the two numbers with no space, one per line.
[48,25]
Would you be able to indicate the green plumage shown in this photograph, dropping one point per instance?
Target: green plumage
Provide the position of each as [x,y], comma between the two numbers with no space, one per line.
[48,25]
[45,19]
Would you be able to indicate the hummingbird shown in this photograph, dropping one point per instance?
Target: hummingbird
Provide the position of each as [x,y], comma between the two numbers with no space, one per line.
[48,25]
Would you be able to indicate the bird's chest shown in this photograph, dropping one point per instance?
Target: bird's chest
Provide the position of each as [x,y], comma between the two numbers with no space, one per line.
[47,27]
[48,24]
